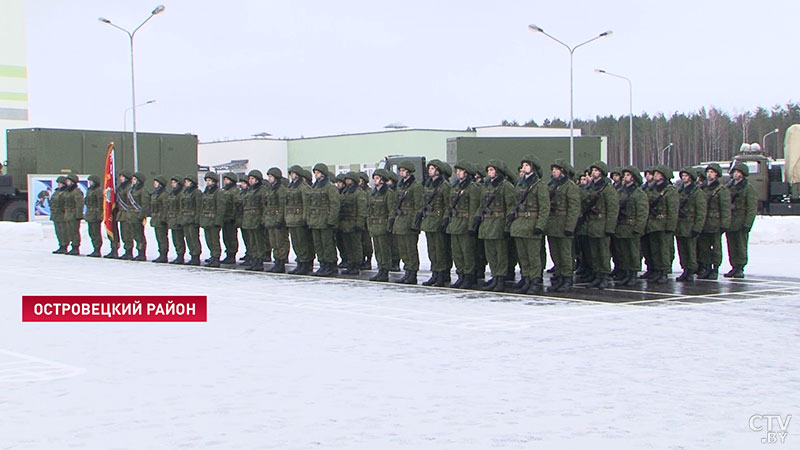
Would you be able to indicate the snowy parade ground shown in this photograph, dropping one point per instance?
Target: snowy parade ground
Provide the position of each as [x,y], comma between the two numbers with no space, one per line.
[290,362]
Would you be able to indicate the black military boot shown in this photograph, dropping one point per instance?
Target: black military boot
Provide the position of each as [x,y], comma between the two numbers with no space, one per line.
[267,259]
[603,281]
[480,273]
[246,262]
[586,277]
[178,259]
[352,269]
[74,251]
[555,282]
[713,273]
[382,276]
[660,277]
[736,272]
[162,258]
[256,265]
[230,258]
[646,275]
[297,268]
[194,260]
[279,266]
[518,285]
[94,254]
[619,274]
[208,259]
[140,256]
[366,264]
[632,278]
[459,280]
[128,255]
[395,267]
[500,285]
[523,285]
[244,258]
[332,271]
[552,270]
[213,262]
[685,276]
[60,250]
[342,265]
[306,268]
[702,269]
[566,284]
[434,277]
[412,277]
[404,277]
[537,285]
[441,280]
[468,281]
[489,284]
[112,254]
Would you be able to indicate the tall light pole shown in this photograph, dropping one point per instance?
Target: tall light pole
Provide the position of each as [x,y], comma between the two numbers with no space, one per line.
[661,159]
[764,140]
[158,10]
[125,115]
[571,52]
[630,110]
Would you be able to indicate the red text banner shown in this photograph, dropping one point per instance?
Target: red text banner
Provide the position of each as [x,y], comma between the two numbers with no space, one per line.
[73,308]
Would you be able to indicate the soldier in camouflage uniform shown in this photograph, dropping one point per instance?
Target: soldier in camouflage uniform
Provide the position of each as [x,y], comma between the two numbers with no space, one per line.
[158,217]
[661,223]
[478,173]
[744,206]
[718,220]
[352,219]
[565,206]
[601,223]
[634,209]
[122,208]
[274,219]
[380,205]
[366,241]
[584,272]
[253,204]
[465,199]
[527,222]
[175,218]
[433,221]
[322,216]
[212,216]
[230,235]
[391,182]
[496,204]
[94,213]
[57,214]
[244,188]
[297,194]
[410,195]
[73,213]
[191,208]
[692,205]
[139,201]
[644,242]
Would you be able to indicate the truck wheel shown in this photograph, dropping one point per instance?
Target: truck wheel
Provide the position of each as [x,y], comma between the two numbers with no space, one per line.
[16,211]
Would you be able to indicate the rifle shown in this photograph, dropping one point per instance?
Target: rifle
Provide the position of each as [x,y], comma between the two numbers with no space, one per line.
[590,207]
[427,206]
[520,206]
[396,212]
[484,210]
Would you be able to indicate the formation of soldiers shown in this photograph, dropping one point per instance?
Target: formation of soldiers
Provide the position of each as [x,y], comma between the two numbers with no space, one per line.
[472,215]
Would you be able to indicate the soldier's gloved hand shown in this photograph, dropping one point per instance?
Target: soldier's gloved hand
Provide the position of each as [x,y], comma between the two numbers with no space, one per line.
[635,233]
[280,225]
[303,223]
[746,229]
[472,232]
[332,225]
[568,233]
[358,228]
[695,234]
[537,231]
[510,218]
[476,222]
[609,233]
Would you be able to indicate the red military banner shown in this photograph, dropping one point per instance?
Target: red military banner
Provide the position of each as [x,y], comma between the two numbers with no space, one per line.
[123,308]
[109,192]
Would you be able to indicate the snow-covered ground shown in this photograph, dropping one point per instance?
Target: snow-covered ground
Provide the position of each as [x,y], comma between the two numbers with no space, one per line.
[299,362]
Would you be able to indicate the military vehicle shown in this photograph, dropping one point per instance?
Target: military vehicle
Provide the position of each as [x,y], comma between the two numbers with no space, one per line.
[480,150]
[54,151]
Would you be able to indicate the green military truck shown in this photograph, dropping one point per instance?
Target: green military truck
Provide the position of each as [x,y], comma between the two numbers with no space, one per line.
[480,150]
[52,151]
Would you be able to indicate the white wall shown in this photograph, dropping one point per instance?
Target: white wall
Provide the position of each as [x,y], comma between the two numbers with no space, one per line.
[501,131]
[261,153]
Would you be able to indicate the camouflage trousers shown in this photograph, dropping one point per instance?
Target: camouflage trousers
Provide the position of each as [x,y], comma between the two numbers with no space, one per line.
[178,241]
[95,234]
[737,247]
[463,250]
[709,249]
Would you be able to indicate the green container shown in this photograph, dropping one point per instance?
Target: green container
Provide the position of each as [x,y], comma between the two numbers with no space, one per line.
[480,150]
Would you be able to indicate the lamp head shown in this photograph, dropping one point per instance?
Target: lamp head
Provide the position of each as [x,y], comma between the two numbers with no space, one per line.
[159,9]
[103,19]
[535,28]
[606,33]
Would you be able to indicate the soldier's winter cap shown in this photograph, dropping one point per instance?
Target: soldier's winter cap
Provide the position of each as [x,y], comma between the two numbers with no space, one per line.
[177,178]
[463,165]
[715,167]
[340,178]
[561,164]
[407,165]
[439,165]
[160,178]
[498,166]
[140,176]
[95,179]
[663,170]
[275,172]
[307,175]
[479,169]
[126,174]
[61,179]
[322,168]
[381,173]
[601,166]
[689,171]
[615,170]
[72,177]
[701,174]
[393,176]
[650,169]
[534,162]
[211,176]
[363,176]
[741,167]
[231,176]
[191,177]
[256,174]
[353,176]
[296,169]
[634,171]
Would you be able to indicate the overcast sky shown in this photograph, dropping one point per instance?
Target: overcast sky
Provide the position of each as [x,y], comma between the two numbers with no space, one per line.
[235,68]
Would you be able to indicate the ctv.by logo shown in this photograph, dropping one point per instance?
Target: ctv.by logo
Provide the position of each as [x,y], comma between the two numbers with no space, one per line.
[776,426]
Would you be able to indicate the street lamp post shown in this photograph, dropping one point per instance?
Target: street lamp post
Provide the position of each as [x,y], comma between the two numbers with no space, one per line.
[159,9]
[630,110]
[764,140]
[571,52]
[125,115]
[665,149]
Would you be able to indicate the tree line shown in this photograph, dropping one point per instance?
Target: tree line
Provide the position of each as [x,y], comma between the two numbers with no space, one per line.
[705,135]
